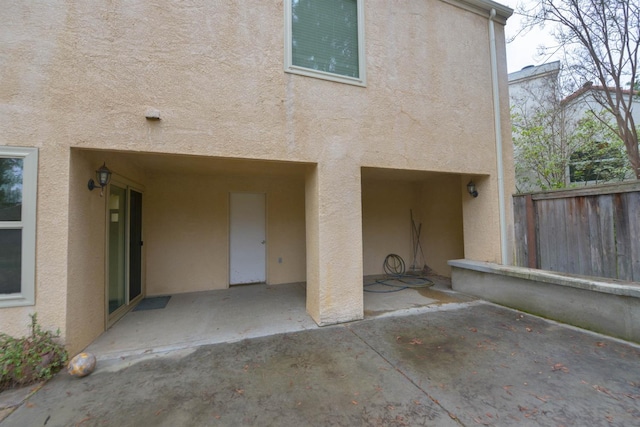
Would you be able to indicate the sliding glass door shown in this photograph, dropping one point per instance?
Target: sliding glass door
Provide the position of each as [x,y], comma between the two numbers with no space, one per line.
[117,247]
[124,257]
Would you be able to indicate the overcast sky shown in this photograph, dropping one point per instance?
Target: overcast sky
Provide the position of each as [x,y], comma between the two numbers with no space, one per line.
[523,50]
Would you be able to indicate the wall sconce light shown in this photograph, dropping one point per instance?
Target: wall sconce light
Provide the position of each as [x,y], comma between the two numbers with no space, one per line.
[103,175]
[471,188]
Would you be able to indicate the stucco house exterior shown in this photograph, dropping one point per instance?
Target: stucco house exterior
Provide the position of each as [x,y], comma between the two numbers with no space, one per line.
[239,154]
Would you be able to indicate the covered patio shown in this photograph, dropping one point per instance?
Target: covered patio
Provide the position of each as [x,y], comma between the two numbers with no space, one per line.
[191,234]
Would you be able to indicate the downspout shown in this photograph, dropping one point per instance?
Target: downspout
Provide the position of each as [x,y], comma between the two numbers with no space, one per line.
[498,131]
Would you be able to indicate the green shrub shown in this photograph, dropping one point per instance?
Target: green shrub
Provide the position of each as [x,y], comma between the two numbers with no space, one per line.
[30,359]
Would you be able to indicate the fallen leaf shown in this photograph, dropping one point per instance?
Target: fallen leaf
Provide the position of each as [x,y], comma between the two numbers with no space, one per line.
[82,421]
[473,329]
[529,329]
[600,344]
[604,390]
[560,367]
[354,402]
[479,421]
[415,341]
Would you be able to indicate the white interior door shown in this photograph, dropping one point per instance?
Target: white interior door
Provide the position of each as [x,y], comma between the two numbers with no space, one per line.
[247,241]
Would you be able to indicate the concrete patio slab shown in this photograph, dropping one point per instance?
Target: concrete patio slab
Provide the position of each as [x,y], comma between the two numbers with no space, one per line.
[459,364]
[242,312]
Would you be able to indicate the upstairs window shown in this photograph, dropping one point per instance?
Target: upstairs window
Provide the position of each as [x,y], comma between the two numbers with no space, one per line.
[18,175]
[598,162]
[325,39]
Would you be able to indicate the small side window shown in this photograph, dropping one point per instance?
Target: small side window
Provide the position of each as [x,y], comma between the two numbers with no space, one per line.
[18,187]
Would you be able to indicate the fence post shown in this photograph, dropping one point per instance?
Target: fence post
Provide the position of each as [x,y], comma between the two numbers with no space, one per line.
[532,245]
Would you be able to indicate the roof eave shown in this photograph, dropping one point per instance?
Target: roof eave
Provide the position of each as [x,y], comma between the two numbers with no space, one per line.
[484,7]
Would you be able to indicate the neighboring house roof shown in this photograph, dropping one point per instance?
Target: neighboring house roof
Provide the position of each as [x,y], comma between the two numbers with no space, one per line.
[533,87]
[534,71]
[589,87]
[539,78]
[587,98]
[536,88]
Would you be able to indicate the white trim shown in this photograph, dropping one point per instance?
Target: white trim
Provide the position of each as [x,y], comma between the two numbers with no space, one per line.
[26,296]
[127,185]
[293,69]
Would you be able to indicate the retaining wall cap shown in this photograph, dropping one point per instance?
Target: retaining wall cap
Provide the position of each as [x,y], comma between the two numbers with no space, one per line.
[596,284]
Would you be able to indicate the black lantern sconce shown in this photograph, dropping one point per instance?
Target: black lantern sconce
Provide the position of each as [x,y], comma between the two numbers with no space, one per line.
[471,188]
[103,175]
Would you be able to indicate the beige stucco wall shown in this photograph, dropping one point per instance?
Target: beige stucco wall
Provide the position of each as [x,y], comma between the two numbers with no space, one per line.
[186,230]
[386,223]
[86,266]
[85,291]
[436,206]
[82,74]
[51,245]
[441,215]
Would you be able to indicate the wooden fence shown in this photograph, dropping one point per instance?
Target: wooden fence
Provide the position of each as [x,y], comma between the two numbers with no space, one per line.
[592,231]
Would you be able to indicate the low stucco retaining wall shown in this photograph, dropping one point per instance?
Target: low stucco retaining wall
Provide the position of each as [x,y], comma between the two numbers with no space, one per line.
[606,306]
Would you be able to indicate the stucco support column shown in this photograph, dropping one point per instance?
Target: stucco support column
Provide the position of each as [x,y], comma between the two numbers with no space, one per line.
[334,244]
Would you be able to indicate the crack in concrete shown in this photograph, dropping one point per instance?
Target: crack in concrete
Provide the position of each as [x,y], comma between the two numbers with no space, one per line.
[401,372]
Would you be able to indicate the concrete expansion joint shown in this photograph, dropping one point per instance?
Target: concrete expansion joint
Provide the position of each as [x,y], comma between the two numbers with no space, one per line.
[401,372]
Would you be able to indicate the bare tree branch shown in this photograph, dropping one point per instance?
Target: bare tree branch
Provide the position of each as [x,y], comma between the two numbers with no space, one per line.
[601,40]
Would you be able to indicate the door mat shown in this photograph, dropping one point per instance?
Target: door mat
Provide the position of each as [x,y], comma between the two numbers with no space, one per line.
[153,303]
